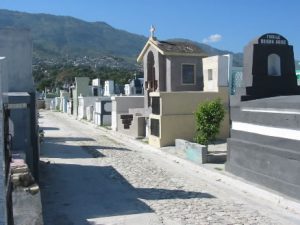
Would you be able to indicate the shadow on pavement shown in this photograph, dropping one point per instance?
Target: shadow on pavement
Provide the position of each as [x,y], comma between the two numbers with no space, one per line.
[75,188]
[65,139]
[49,128]
[71,194]
[53,150]
[94,150]
[158,194]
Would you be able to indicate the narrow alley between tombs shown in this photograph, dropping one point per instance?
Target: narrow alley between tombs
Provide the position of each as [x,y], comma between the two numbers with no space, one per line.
[89,177]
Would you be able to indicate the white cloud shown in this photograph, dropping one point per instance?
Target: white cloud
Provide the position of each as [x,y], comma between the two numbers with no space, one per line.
[212,38]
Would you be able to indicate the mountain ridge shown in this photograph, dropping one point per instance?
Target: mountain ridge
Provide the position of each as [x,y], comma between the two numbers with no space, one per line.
[59,37]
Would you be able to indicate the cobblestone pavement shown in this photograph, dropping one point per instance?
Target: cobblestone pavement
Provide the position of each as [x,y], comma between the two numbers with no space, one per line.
[161,185]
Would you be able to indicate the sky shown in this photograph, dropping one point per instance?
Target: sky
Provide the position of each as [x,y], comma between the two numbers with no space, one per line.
[224,24]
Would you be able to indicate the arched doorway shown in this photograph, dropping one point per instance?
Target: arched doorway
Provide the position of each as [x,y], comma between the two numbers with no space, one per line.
[151,83]
[274,65]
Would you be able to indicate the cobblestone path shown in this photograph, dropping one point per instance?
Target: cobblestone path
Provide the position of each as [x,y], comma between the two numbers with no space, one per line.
[87,174]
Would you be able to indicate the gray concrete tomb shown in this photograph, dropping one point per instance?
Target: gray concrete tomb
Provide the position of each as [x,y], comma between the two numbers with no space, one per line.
[265,130]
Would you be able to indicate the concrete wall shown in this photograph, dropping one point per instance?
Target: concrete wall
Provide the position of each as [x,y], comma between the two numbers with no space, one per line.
[174,69]
[176,118]
[3,78]
[264,143]
[168,75]
[137,126]
[2,164]
[3,99]
[182,103]
[3,219]
[121,105]
[221,67]
[162,73]
[138,123]
[19,124]
[16,46]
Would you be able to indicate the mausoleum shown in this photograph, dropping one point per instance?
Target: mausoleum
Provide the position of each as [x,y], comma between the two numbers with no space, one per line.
[265,131]
[175,80]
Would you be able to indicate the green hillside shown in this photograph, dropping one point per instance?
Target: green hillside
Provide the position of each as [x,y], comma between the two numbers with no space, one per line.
[64,36]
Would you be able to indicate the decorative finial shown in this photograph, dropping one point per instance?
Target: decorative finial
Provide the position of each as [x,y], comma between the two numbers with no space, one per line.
[152,30]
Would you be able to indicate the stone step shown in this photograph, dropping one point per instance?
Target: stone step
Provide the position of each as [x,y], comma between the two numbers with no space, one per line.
[279,163]
[282,143]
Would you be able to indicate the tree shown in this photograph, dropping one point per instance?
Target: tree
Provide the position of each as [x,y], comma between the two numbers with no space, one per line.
[53,76]
[208,117]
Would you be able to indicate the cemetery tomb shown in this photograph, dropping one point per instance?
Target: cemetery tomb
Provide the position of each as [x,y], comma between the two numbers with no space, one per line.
[133,123]
[269,68]
[102,112]
[264,142]
[121,105]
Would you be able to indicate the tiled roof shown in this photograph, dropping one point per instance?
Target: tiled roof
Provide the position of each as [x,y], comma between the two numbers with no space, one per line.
[178,47]
[175,48]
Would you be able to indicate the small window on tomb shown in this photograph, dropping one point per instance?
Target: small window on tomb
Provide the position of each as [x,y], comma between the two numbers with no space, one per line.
[154,127]
[188,73]
[210,74]
[274,66]
[155,105]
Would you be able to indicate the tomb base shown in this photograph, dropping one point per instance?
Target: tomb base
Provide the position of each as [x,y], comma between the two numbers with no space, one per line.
[264,143]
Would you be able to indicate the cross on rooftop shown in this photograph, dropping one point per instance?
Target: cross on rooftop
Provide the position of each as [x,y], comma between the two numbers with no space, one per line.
[152,30]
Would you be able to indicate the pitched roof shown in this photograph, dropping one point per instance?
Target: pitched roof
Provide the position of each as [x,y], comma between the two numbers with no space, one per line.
[179,47]
[172,48]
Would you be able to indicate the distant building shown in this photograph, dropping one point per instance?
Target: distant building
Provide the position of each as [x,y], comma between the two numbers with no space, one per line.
[135,87]
[109,88]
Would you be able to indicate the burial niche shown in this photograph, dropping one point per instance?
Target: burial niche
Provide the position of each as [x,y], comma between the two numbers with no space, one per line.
[274,67]
[151,83]
[150,71]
